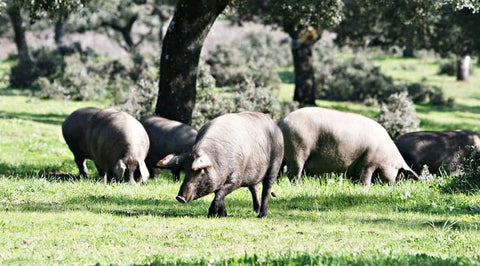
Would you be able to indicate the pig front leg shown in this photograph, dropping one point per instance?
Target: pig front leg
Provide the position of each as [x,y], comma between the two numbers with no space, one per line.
[217,208]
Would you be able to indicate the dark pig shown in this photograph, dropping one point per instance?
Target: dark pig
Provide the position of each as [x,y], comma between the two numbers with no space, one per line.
[74,132]
[118,144]
[436,148]
[167,137]
[232,151]
[321,140]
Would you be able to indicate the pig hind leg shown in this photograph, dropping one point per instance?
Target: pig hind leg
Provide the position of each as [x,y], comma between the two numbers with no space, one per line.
[256,202]
[267,184]
[80,160]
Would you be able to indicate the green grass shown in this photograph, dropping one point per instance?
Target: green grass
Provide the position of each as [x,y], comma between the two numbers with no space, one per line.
[50,216]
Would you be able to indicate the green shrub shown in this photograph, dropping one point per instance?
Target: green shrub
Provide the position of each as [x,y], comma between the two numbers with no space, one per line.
[397,115]
[257,57]
[437,98]
[77,83]
[448,67]
[139,99]
[245,96]
[420,93]
[351,79]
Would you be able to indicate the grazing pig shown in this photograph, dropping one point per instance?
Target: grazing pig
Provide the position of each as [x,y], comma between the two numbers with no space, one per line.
[436,148]
[74,132]
[166,137]
[231,151]
[322,140]
[117,143]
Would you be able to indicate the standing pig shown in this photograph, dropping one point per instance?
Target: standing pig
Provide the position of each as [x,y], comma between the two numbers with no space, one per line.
[231,151]
[322,140]
[118,143]
[74,132]
[436,148]
[166,137]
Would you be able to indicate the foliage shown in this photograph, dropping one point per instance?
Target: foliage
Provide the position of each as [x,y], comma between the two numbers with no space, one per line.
[350,79]
[420,92]
[84,76]
[138,100]
[303,12]
[397,115]
[448,67]
[468,181]
[258,56]
[245,96]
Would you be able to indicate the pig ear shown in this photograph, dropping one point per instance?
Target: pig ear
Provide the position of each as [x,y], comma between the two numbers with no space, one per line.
[119,169]
[172,160]
[201,162]
[143,171]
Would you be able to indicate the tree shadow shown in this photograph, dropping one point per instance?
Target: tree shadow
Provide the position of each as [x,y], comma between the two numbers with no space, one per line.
[48,118]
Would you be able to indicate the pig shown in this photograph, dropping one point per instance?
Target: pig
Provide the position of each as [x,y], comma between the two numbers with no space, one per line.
[74,132]
[321,140]
[231,151]
[118,144]
[436,148]
[166,137]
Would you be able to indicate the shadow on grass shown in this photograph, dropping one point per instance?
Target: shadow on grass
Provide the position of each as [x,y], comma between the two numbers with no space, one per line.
[297,258]
[120,205]
[49,118]
[52,173]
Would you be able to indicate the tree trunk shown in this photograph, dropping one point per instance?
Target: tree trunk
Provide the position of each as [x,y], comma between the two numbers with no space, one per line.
[408,52]
[463,68]
[59,30]
[20,41]
[303,39]
[181,49]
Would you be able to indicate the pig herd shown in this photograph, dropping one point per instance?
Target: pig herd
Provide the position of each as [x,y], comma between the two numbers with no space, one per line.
[248,148]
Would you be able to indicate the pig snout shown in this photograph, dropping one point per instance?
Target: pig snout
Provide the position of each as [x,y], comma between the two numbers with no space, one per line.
[181,199]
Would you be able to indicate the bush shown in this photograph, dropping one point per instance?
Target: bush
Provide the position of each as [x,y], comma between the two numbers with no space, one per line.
[448,67]
[245,96]
[257,57]
[421,92]
[77,83]
[353,79]
[397,115]
[89,77]
[138,100]
[468,181]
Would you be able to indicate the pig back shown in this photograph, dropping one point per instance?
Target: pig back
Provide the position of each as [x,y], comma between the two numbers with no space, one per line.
[74,129]
[434,148]
[167,137]
[247,142]
[332,140]
[112,135]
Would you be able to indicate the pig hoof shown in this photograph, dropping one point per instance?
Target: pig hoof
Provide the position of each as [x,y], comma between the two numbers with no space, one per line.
[181,199]
[262,215]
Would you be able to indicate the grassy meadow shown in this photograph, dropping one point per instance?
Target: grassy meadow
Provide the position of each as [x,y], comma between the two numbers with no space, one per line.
[50,216]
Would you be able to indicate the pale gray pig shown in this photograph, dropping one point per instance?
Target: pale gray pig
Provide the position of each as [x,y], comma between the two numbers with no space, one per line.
[166,137]
[232,151]
[436,148]
[118,144]
[321,140]
[74,132]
